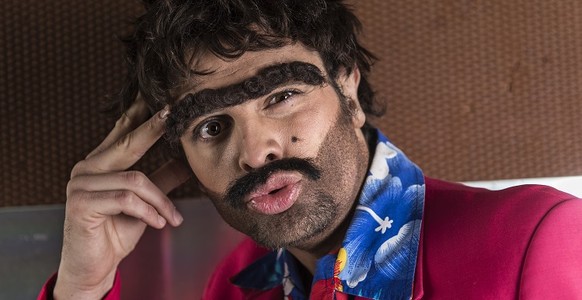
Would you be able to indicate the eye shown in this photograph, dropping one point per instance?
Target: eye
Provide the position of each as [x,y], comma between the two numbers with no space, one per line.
[282,96]
[211,129]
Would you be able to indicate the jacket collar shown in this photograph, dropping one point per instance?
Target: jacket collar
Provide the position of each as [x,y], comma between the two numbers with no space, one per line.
[418,287]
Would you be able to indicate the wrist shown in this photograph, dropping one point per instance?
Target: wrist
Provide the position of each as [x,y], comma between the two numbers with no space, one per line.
[69,289]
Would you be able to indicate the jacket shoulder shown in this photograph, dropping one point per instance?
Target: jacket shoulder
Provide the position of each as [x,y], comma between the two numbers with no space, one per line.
[552,267]
[480,238]
[219,285]
[531,198]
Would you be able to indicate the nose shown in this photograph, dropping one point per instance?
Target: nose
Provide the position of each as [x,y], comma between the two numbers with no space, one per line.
[260,144]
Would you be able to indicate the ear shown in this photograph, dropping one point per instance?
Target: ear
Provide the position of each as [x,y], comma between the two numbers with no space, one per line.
[349,84]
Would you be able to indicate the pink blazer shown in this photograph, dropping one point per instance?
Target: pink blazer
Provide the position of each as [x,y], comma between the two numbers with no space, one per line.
[519,243]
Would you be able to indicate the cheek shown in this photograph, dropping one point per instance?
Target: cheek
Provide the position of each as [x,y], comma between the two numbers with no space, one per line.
[309,128]
[209,168]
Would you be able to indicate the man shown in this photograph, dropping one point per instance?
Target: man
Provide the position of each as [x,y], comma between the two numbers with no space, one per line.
[266,103]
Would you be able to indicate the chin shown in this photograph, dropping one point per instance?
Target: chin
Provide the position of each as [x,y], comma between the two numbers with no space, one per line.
[304,225]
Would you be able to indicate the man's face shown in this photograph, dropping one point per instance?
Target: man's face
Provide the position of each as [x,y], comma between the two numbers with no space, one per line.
[283,162]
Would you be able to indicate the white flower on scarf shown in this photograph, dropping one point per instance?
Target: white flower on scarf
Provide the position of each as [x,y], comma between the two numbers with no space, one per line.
[379,168]
[392,256]
[384,224]
[287,283]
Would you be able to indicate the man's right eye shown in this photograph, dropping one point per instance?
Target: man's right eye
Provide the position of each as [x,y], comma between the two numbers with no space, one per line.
[211,129]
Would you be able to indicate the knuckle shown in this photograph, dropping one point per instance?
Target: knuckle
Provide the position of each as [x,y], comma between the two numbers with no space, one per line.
[124,142]
[71,187]
[152,125]
[135,178]
[126,198]
[74,206]
[150,212]
[78,168]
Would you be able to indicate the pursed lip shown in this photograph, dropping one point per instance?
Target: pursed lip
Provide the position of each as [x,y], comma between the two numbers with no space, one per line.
[276,195]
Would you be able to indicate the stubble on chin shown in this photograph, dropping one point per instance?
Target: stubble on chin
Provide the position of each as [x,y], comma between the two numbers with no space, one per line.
[299,227]
[306,220]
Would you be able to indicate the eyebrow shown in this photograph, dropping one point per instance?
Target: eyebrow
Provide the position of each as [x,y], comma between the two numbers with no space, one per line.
[267,79]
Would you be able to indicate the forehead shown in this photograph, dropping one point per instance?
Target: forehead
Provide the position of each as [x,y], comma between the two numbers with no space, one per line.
[231,71]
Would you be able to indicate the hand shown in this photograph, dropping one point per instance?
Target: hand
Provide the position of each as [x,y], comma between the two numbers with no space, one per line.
[108,208]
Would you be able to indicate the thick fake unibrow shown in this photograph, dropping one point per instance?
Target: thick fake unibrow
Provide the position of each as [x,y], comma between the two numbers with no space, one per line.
[209,100]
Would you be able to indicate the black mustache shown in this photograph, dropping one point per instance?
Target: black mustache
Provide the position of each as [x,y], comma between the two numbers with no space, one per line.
[250,181]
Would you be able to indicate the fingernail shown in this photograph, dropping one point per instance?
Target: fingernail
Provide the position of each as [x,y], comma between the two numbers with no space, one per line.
[161,220]
[178,217]
[165,112]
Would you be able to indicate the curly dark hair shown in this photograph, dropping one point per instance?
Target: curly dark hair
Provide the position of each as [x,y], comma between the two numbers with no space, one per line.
[173,33]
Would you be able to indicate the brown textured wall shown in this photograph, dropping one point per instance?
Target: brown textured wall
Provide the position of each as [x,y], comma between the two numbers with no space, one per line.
[481,90]
[475,89]
[58,61]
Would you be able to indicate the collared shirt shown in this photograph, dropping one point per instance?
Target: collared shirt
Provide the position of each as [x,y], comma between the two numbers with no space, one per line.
[378,256]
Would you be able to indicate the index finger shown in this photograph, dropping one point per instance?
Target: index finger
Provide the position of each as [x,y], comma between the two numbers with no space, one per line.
[127,150]
[135,115]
